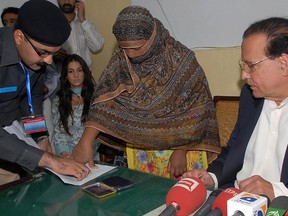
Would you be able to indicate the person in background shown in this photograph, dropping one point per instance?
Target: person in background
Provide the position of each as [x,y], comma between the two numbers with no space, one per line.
[153,94]
[52,77]
[26,49]
[9,16]
[71,104]
[84,37]
[256,159]
[84,40]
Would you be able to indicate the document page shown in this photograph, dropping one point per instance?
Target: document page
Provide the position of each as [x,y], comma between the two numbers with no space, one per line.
[102,169]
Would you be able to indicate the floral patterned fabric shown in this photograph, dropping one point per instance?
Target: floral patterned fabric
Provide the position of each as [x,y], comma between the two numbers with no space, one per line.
[155,162]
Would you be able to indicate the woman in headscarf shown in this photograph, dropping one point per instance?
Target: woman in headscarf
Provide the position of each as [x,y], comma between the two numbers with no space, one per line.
[153,94]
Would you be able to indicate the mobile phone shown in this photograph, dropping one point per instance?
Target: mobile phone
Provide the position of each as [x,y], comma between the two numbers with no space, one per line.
[99,190]
[117,182]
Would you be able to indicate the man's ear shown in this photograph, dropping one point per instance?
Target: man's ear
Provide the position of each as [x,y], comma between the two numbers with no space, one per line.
[18,36]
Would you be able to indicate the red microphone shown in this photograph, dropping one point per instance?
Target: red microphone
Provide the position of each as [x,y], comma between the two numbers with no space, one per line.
[219,207]
[185,197]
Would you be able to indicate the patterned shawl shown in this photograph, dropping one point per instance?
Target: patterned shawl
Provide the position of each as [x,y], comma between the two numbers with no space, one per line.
[160,100]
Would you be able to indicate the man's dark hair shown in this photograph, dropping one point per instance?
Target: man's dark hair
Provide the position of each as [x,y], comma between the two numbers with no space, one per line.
[276,31]
[9,10]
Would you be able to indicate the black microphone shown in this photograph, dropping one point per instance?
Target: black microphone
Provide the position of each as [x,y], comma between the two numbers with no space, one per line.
[207,207]
[280,202]
[215,212]
[238,213]
[278,206]
[172,209]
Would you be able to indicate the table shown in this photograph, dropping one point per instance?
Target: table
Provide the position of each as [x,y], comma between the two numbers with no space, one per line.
[48,195]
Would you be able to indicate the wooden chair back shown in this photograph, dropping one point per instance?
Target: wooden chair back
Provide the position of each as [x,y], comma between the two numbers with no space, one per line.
[226,112]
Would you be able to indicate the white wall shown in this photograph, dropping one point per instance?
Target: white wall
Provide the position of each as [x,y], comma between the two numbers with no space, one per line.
[211,23]
[217,25]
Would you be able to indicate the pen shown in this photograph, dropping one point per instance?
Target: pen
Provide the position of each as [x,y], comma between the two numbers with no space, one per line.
[21,180]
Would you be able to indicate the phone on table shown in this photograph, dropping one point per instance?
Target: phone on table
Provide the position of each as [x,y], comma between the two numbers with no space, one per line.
[99,190]
[117,182]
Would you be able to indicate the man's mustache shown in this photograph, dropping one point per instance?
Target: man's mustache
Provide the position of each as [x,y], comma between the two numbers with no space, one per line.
[67,5]
[42,64]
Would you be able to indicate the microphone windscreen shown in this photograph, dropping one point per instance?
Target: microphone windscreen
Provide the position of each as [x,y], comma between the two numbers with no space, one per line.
[280,202]
[188,193]
[246,203]
[223,197]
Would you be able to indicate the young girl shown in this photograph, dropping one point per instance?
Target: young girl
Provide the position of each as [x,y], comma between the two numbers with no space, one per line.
[71,104]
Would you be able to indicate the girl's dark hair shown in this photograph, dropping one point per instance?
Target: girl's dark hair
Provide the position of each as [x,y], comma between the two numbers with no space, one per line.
[276,31]
[65,92]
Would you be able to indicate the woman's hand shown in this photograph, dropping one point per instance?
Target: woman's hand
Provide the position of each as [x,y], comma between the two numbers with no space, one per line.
[177,164]
[45,145]
[66,155]
[84,150]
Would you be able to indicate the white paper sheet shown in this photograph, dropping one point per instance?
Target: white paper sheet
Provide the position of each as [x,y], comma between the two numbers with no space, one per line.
[102,169]
[17,129]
